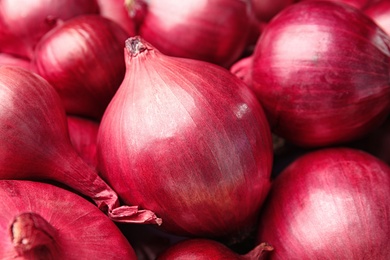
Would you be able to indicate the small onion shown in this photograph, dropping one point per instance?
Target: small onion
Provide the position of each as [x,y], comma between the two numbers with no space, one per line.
[187,140]
[321,72]
[265,10]
[329,204]
[83,59]
[43,221]
[210,30]
[35,144]
[202,249]
[24,22]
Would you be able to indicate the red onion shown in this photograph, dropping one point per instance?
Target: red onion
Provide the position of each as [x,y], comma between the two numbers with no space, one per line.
[83,136]
[380,13]
[117,11]
[321,71]
[265,10]
[329,204]
[214,30]
[83,60]
[35,144]
[188,140]
[243,69]
[9,59]
[200,249]
[24,22]
[43,221]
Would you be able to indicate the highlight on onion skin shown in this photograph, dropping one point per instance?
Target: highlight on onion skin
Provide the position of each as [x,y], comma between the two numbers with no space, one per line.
[187,140]
[329,204]
[321,72]
[200,249]
[43,221]
[24,22]
[215,31]
[83,60]
[35,144]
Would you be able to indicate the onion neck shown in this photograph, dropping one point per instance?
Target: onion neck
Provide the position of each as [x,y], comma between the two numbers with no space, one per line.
[33,237]
[259,252]
[135,46]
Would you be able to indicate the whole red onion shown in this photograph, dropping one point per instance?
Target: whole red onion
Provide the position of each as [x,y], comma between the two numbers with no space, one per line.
[210,30]
[83,136]
[380,13]
[329,204]
[83,60]
[188,140]
[43,221]
[321,72]
[201,249]
[35,144]
[24,22]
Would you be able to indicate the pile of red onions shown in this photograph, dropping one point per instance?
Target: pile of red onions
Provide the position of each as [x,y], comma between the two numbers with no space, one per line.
[24,22]
[187,140]
[329,204]
[83,59]
[43,221]
[321,72]
[35,144]
[210,30]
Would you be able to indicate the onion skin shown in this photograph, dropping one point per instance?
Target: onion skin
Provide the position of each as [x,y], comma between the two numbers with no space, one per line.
[35,144]
[9,59]
[380,13]
[316,59]
[201,249]
[265,10]
[83,60]
[243,69]
[197,136]
[329,204]
[43,221]
[24,22]
[83,136]
[359,4]
[215,31]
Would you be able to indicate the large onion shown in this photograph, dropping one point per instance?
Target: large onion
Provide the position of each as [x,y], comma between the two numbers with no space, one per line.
[42,221]
[35,144]
[83,59]
[188,140]
[321,71]
[211,30]
[329,204]
[24,22]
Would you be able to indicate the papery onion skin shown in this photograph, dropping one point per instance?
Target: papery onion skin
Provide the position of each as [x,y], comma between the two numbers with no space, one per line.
[380,13]
[321,72]
[35,144]
[83,60]
[83,136]
[201,249]
[24,22]
[78,229]
[189,140]
[329,204]
[215,31]
[359,4]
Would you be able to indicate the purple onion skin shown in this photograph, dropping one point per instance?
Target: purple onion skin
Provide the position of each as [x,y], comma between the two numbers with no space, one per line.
[215,31]
[380,12]
[189,140]
[321,72]
[329,204]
